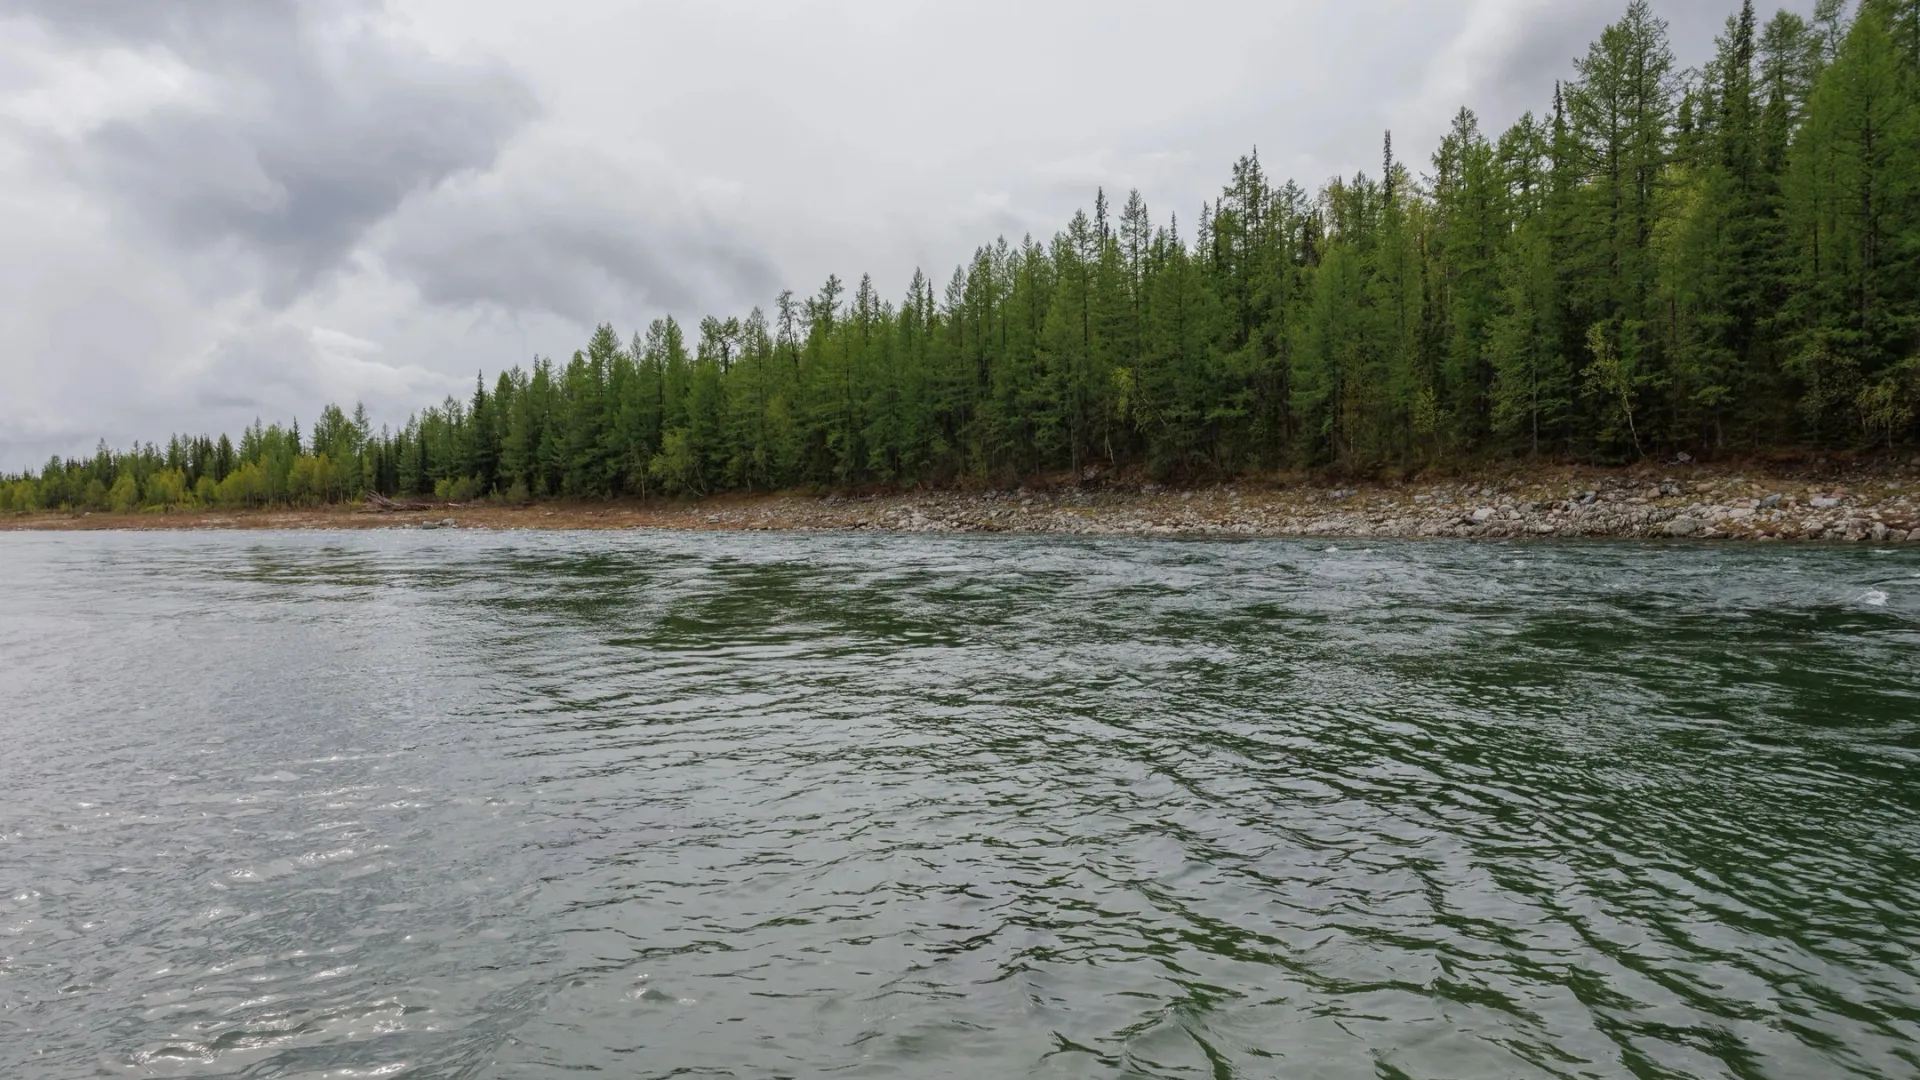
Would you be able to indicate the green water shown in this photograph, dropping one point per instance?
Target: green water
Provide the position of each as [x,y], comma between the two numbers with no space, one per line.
[560,805]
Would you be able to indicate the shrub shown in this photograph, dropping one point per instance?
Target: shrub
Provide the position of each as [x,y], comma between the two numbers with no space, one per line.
[124,497]
[166,488]
[462,489]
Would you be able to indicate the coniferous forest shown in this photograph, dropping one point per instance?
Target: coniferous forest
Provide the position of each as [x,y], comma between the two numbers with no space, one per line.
[1718,261]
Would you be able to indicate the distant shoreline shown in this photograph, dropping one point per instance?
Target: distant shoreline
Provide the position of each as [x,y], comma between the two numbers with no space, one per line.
[1878,503]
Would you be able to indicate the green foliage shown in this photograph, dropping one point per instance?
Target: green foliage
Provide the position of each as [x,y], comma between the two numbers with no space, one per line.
[1532,390]
[124,496]
[165,490]
[676,468]
[1613,378]
[313,480]
[1710,261]
[247,486]
[459,489]
[20,496]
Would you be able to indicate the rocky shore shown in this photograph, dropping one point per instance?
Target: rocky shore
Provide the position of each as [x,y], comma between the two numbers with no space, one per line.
[1732,509]
[1875,503]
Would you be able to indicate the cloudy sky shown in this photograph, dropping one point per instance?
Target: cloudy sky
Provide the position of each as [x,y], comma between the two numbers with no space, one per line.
[211,211]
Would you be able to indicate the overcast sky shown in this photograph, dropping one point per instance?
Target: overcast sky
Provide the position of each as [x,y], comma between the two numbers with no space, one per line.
[211,211]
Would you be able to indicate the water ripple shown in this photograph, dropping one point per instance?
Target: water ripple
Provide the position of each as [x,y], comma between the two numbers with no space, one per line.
[391,805]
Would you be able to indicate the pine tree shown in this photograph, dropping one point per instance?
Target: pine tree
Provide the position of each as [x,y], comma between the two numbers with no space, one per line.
[1532,389]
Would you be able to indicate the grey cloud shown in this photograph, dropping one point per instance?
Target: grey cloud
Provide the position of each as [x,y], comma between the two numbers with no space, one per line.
[1544,53]
[275,363]
[117,21]
[317,126]
[571,244]
[211,399]
[272,369]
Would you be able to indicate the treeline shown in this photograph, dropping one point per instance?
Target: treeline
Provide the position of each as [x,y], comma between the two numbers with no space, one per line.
[1718,260]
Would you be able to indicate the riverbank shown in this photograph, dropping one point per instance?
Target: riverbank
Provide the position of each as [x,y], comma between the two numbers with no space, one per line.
[1875,502]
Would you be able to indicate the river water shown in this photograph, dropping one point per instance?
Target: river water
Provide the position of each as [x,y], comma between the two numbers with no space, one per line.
[634,805]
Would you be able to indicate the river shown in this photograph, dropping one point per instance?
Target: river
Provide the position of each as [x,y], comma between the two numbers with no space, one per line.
[492,805]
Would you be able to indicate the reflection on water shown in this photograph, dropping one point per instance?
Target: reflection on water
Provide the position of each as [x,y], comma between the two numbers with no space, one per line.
[650,805]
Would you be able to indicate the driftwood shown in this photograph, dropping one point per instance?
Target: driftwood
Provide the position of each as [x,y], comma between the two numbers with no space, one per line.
[380,504]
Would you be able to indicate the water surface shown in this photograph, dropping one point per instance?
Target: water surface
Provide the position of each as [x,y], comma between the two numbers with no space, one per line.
[637,805]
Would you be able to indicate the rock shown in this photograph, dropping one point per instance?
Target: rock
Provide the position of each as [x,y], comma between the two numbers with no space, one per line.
[1484,515]
[1914,537]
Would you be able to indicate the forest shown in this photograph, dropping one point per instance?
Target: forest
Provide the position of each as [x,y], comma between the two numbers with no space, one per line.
[1718,261]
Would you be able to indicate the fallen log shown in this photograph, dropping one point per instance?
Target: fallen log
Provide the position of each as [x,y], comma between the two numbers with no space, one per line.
[380,504]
